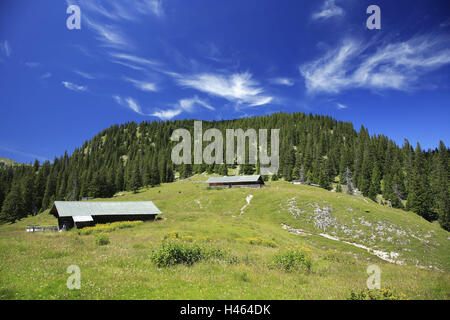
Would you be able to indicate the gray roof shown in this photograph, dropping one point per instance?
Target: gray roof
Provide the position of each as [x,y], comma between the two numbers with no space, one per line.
[103,208]
[231,179]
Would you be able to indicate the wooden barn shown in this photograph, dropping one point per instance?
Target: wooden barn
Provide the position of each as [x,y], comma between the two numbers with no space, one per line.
[88,213]
[254,181]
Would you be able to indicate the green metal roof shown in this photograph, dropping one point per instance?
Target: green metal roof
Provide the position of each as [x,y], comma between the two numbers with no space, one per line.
[103,208]
[233,179]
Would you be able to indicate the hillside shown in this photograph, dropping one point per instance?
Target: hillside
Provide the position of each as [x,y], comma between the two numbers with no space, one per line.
[313,148]
[341,235]
[8,162]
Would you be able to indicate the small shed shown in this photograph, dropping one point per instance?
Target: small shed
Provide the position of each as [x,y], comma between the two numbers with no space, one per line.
[253,181]
[81,214]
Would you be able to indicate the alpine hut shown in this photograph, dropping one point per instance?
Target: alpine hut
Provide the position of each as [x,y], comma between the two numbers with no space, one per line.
[254,181]
[80,214]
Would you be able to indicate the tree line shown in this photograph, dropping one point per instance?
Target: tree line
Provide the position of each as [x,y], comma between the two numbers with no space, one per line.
[314,149]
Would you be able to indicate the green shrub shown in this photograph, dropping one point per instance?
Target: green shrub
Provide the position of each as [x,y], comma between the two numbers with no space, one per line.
[102,240]
[292,260]
[172,253]
[175,252]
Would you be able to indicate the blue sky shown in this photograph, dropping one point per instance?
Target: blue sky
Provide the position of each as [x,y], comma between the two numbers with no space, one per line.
[211,60]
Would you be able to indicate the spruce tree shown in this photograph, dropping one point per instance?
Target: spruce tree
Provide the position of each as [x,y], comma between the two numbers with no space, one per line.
[443,187]
[374,188]
[135,179]
[419,200]
[13,207]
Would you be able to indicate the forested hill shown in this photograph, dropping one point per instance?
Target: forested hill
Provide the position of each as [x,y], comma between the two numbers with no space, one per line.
[315,149]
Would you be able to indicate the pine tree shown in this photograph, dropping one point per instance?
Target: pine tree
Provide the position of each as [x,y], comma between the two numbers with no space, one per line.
[419,200]
[155,178]
[29,205]
[324,176]
[443,187]
[50,190]
[13,208]
[136,183]
[374,189]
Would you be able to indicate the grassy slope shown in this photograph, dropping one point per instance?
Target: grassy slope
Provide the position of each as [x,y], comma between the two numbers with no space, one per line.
[7,161]
[34,266]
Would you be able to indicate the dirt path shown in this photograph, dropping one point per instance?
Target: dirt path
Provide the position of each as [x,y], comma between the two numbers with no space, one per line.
[391,257]
[248,199]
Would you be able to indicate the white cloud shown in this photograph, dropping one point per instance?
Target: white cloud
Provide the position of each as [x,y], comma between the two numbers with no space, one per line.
[151,6]
[166,114]
[392,66]
[329,9]
[143,85]
[189,104]
[133,62]
[85,75]
[238,87]
[74,87]
[109,35]
[5,48]
[341,106]
[133,105]
[128,65]
[282,81]
[118,11]
[128,102]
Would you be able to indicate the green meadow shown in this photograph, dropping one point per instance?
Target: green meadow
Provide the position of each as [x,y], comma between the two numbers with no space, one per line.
[283,241]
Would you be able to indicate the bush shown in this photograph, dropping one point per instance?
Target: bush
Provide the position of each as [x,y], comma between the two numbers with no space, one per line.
[175,252]
[172,253]
[292,260]
[102,240]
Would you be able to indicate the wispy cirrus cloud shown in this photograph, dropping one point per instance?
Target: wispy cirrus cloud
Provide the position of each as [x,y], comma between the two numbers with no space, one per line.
[282,81]
[129,103]
[341,106]
[134,59]
[239,88]
[166,114]
[5,48]
[189,104]
[143,85]
[85,75]
[119,11]
[105,18]
[329,9]
[396,66]
[109,35]
[74,87]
